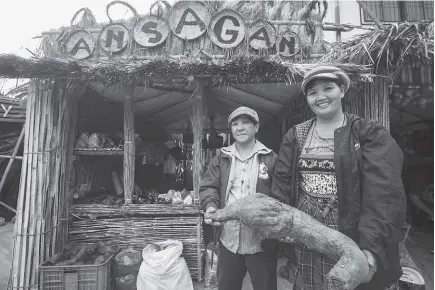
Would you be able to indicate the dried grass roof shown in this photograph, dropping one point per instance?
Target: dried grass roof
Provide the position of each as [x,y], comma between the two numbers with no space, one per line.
[240,69]
[396,46]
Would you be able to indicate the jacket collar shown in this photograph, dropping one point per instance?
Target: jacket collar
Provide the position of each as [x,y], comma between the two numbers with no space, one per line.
[303,128]
[259,148]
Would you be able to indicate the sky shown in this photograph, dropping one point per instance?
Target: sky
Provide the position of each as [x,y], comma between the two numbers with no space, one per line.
[21,20]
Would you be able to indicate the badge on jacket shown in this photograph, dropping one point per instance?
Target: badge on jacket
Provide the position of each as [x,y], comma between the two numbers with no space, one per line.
[262,171]
[357,146]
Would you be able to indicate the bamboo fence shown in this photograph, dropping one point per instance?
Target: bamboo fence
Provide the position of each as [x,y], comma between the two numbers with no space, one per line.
[375,101]
[42,208]
[137,225]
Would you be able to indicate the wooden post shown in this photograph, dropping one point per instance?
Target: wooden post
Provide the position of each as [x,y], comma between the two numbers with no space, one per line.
[129,143]
[370,14]
[211,114]
[197,118]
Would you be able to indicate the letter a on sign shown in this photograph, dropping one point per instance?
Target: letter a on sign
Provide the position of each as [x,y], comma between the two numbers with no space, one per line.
[150,31]
[80,45]
[227,28]
[262,35]
[189,19]
[114,37]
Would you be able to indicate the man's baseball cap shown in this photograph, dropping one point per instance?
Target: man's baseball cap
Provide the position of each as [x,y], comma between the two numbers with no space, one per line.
[243,111]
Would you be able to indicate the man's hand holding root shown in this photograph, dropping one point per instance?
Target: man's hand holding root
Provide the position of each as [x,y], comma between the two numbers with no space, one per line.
[265,215]
[272,219]
[210,212]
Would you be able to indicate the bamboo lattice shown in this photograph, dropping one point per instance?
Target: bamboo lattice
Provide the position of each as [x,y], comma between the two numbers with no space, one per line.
[137,225]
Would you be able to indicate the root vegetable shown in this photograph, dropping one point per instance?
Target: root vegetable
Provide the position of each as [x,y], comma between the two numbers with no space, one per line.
[54,259]
[99,260]
[102,249]
[102,258]
[272,219]
[80,256]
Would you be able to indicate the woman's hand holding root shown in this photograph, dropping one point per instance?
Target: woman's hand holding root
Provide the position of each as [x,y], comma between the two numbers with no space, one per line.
[275,220]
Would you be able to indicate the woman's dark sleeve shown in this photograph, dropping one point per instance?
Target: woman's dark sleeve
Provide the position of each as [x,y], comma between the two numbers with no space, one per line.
[383,197]
[282,177]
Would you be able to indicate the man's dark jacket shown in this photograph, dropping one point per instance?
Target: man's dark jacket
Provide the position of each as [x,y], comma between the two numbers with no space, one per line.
[214,184]
[371,197]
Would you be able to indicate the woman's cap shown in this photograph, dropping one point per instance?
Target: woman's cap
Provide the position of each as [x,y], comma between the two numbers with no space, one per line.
[326,72]
[243,111]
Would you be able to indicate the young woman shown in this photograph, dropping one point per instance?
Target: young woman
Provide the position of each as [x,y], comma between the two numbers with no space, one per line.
[345,171]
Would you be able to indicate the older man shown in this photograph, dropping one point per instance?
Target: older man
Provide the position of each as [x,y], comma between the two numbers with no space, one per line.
[241,169]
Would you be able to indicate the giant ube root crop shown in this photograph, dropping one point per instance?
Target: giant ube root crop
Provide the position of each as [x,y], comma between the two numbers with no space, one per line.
[275,220]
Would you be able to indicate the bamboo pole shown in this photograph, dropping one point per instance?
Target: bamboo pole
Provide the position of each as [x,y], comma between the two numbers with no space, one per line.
[11,160]
[55,160]
[14,273]
[69,138]
[22,264]
[370,14]
[61,106]
[129,143]
[58,225]
[47,174]
[33,187]
[39,208]
[10,157]
[8,207]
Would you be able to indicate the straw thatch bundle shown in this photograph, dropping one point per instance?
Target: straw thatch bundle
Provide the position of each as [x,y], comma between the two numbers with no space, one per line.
[240,69]
[396,46]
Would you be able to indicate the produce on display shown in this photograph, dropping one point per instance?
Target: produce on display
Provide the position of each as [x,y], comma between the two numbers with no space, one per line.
[275,220]
[85,196]
[94,254]
[420,97]
[94,141]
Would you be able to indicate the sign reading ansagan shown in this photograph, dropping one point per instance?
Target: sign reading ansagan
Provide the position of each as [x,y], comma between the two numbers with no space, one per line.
[187,20]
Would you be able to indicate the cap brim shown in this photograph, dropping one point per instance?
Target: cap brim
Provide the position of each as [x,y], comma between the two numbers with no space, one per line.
[324,76]
[240,115]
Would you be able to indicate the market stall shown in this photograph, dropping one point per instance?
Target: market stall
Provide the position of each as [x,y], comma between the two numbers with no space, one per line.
[105,98]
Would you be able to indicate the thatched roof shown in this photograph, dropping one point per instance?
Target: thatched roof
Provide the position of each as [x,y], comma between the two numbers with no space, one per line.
[395,46]
[398,45]
[240,69]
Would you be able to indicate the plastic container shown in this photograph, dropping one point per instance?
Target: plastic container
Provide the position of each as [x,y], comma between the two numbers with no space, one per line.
[80,277]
